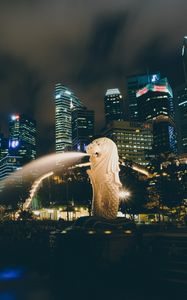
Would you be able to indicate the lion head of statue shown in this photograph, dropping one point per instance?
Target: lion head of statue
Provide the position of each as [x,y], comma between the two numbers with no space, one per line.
[104,157]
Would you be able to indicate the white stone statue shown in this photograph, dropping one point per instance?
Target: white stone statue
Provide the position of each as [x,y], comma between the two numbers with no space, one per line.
[104,176]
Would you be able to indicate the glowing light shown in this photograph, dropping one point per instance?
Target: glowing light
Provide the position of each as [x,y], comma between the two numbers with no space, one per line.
[154,78]
[68,92]
[160,88]
[142,92]
[11,274]
[107,231]
[183,50]
[127,231]
[110,92]
[15,117]
[71,104]
[58,96]
[34,189]
[154,88]
[124,194]
[182,103]
[91,232]
[142,171]
[13,144]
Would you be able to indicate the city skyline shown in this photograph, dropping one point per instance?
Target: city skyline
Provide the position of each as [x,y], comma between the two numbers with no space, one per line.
[96,51]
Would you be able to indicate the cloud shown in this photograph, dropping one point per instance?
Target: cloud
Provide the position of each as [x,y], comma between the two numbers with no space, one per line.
[88,45]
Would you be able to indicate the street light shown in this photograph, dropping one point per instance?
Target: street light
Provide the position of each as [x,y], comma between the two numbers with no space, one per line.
[124,194]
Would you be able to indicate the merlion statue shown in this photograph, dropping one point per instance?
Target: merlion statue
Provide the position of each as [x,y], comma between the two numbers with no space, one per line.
[104,176]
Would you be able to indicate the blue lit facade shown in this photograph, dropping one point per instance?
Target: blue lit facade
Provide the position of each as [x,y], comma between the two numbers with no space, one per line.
[22,137]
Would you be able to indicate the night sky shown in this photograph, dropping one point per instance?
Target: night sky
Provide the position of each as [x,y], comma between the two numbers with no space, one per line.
[87,45]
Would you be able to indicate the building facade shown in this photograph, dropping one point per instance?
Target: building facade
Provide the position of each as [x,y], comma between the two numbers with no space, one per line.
[8,165]
[155,105]
[181,117]
[3,146]
[135,83]
[65,101]
[82,128]
[22,137]
[113,103]
[134,140]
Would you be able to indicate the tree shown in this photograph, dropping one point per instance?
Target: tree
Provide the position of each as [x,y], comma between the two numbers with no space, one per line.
[137,187]
[25,215]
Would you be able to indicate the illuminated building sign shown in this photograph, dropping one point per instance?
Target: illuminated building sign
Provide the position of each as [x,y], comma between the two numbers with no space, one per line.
[154,88]
[155,78]
[13,144]
[142,92]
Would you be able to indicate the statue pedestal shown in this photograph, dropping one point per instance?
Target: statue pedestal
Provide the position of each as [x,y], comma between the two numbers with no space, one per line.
[103,241]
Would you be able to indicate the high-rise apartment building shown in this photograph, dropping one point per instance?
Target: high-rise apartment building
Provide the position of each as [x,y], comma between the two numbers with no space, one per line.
[181,117]
[155,104]
[135,83]
[134,140]
[113,105]
[22,137]
[82,128]
[8,165]
[180,96]
[65,101]
[184,57]
[3,146]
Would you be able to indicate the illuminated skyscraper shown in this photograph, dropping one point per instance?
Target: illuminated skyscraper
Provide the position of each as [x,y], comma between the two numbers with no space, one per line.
[82,128]
[22,137]
[181,105]
[134,83]
[113,105]
[65,101]
[184,58]
[155,104]
[3,146]
[181,117]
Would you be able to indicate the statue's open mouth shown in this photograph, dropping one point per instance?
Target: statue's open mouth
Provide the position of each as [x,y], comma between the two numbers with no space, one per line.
[96,154]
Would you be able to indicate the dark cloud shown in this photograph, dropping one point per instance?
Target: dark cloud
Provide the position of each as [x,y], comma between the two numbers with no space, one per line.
[87,45]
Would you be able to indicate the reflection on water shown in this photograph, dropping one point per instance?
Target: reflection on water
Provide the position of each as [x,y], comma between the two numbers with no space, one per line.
[8,296]
[11,274]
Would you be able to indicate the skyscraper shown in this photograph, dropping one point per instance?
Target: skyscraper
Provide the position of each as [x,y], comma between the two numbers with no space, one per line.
[180,96]
[184,58]
[65,101]
[22,137]
[155,104]
[134,83]
[82,127]
[113,105]
[181,117]
[8,165]
[3,146]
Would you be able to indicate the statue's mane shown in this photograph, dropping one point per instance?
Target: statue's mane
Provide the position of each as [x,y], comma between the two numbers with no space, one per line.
[108,163]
